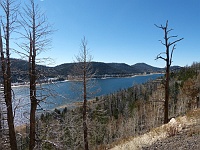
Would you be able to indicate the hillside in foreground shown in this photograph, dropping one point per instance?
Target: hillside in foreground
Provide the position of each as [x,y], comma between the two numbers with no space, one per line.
[180,133]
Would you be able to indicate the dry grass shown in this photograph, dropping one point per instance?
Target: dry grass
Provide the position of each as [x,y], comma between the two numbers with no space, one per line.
[172,128]
[172,131]
[21,129]
[194,114]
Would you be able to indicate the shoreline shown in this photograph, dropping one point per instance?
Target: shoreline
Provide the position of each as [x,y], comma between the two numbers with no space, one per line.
[26,84]
[16,85]
[70,103]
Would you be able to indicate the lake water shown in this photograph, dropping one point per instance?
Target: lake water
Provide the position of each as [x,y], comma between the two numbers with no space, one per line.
[65,93]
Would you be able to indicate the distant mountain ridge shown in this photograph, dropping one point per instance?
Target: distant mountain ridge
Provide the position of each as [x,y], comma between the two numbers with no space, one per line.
[115,68]
[111,68]
[20,68]
[143,67]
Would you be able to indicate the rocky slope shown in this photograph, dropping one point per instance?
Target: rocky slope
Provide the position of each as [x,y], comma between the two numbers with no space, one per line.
[180,133]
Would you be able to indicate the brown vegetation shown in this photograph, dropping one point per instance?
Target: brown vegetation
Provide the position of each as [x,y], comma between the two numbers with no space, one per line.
[118,117]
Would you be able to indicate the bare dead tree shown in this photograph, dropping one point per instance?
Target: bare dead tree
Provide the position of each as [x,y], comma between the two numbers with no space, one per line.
[36,36]
[83,73]
[8,22]
[168,59]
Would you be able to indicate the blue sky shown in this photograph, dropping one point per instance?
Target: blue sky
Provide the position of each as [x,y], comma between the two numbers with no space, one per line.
[123,30]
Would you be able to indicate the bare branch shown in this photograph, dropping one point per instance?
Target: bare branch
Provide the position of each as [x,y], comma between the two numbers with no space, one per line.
[160,57]
[162,42]
[161,27]
[172,37]
[175,42]
[169,30]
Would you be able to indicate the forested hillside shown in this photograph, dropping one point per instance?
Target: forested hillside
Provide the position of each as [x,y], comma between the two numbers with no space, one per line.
[126,113]
[20,68]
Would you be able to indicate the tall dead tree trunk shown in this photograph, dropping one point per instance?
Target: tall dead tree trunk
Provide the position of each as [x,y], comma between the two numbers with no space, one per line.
[36,32]
[168,59]
[32,76]
[5,64]
[85,128]
[83,73]
[3,67]
[33,98]
[10,10]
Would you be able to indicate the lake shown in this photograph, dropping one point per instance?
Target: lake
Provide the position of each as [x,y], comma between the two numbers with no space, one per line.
[57,95]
